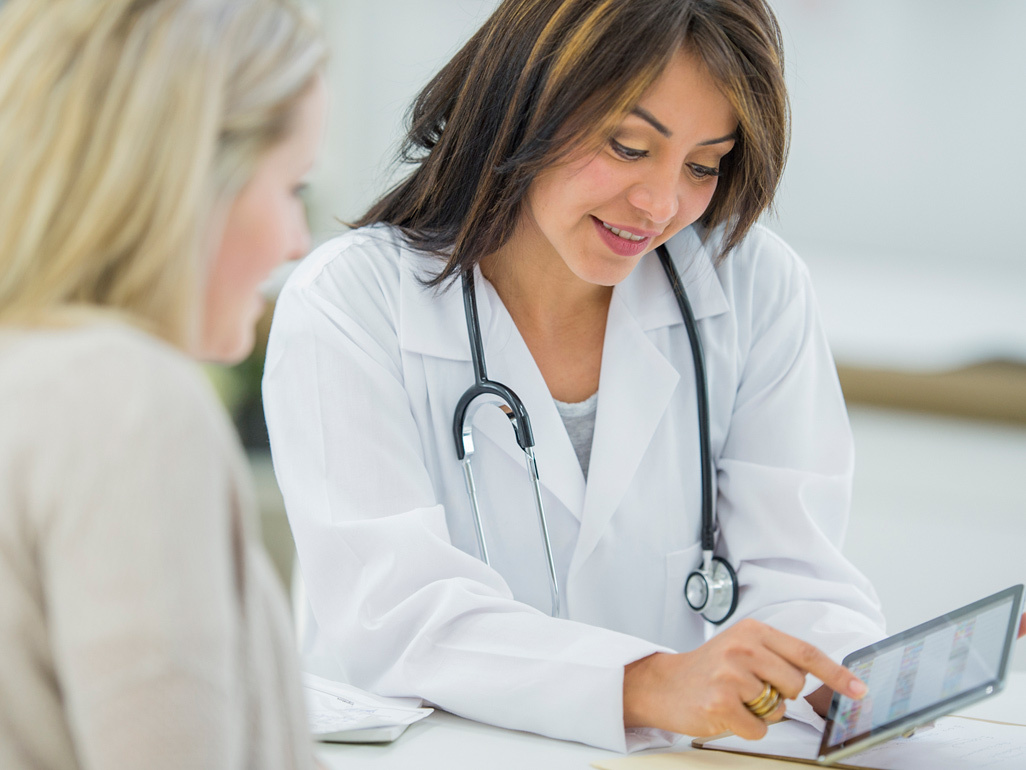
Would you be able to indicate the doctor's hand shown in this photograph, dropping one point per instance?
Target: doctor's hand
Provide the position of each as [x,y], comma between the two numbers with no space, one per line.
[703,692]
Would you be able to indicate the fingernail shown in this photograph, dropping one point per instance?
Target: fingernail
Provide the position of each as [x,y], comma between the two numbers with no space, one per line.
[857,688]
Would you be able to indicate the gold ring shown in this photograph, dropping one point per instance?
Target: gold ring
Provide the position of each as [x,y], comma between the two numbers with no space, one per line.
[766,702]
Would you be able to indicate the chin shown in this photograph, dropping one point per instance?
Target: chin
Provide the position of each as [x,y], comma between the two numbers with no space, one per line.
[229,351]
[240,351]
[607,274]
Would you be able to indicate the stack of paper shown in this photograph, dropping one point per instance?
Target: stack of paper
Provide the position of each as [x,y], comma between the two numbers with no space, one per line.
[342,713]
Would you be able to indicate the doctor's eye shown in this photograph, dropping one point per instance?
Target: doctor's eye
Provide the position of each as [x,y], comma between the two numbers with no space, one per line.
[703,172]
[627,153]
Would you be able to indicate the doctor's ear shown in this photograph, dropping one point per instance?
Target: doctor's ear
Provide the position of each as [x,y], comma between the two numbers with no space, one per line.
[1022,626]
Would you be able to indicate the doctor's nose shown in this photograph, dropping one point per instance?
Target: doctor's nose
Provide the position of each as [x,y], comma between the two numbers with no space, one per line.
[657,196]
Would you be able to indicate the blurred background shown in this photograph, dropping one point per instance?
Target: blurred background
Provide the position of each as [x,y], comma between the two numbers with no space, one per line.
[902,194]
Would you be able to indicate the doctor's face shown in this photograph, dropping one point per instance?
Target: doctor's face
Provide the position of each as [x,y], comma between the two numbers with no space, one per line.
[265,226]
[598,212]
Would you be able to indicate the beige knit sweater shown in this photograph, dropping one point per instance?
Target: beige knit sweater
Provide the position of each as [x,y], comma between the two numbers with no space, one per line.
[141,624]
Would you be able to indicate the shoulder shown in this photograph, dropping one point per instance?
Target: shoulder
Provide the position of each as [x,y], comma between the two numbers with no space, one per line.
[765,267]
[771,294]
[101,358]
[108,382]
[762,258]
[356,254]
[107,415]
[762,277]
[129,367]
[369,284]
[374,260]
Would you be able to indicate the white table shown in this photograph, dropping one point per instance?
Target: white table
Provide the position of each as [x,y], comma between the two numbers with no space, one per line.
[446,741]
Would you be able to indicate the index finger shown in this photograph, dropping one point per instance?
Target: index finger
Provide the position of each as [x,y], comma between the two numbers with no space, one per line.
[811,660]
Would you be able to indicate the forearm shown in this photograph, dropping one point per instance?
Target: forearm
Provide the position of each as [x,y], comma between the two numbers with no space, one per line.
[440,625]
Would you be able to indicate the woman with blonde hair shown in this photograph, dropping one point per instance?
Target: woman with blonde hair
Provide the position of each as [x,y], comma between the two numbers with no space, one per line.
[152,154]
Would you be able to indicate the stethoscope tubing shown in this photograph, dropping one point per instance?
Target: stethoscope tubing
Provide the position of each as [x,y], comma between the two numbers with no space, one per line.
[701,395]
[487,392]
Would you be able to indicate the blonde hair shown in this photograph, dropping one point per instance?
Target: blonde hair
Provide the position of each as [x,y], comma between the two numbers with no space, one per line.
[124,124]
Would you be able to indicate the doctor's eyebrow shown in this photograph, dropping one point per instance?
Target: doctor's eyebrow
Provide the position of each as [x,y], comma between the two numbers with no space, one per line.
[651,119]
[731,137]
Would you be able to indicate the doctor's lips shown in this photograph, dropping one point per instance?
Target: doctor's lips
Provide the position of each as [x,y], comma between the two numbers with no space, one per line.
[625,241]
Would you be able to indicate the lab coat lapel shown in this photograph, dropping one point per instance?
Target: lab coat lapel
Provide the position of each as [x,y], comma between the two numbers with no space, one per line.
[635,386]
[431,321]
[637,380]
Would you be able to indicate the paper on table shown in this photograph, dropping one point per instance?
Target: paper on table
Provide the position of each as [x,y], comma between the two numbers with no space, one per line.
[334,707]
[953,744]
[693,760]
[790,739]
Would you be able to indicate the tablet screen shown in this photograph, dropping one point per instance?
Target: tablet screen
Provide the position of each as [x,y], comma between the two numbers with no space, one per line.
[926,671]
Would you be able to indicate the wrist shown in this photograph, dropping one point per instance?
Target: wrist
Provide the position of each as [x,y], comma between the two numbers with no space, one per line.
[640,679]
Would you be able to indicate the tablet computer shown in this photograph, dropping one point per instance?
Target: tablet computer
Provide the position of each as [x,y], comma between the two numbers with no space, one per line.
[924,673]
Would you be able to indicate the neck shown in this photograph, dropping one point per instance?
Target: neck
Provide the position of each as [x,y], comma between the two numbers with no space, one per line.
[540,291]
[561,318]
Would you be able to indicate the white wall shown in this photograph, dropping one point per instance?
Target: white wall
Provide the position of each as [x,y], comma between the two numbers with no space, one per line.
[384,52]
[909,120]
[938,514]
[904,186]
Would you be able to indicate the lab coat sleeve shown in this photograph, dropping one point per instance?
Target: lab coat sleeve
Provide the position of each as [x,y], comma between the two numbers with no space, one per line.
[405,612]
[785,471]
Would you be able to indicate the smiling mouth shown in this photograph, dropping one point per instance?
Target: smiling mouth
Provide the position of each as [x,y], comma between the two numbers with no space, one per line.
[623,233]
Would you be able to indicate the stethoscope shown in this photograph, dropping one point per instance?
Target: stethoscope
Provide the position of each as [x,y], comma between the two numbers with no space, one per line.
[712,589]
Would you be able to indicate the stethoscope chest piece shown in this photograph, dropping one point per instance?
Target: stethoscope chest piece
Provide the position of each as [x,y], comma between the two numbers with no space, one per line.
[712,591]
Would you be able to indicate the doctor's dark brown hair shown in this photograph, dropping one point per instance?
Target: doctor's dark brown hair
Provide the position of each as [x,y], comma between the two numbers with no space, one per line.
[541,77]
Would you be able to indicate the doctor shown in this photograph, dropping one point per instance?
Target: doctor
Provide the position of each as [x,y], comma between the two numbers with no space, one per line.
[565,143]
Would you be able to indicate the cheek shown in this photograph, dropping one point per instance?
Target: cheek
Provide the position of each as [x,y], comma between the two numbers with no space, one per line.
[234,262]
[576,188]
[696,203]
[598,182]
[241,263]
[227,288]
[708,194]
[255,242]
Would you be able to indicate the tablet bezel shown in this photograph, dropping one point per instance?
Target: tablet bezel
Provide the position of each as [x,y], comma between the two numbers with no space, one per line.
[830,753]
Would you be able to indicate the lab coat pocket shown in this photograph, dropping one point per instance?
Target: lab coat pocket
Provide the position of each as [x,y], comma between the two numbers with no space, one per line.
[682,628]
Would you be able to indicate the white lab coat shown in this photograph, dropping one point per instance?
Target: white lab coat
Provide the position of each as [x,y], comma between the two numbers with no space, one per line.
[364,369]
